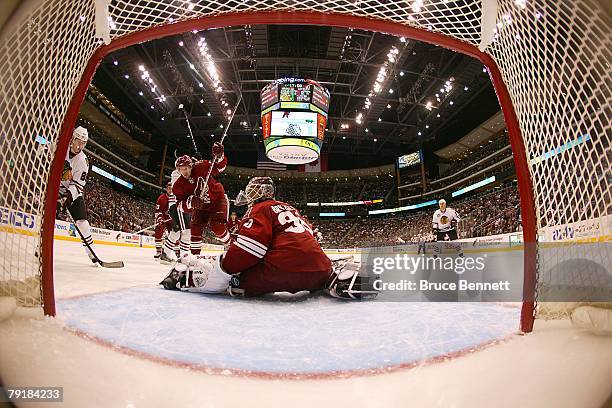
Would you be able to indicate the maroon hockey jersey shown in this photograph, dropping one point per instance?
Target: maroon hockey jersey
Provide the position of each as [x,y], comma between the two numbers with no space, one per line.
[183,188]
[162,205]
[275,233]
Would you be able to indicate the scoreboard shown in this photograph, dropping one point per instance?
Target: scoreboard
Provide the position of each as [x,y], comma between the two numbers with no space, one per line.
[294,116]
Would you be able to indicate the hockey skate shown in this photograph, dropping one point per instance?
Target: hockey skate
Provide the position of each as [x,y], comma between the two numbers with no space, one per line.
[164,258]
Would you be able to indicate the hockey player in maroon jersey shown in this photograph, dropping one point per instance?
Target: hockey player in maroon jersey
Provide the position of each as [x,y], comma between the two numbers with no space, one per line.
[274,251]
[232,224]
[207,203]
[163,220]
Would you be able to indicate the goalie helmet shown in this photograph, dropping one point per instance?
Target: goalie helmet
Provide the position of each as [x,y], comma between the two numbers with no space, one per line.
[81,134]
[258,188]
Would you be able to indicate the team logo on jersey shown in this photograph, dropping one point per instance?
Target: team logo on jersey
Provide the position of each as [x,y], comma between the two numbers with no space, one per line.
[201,190]
[444,219]
[66,171]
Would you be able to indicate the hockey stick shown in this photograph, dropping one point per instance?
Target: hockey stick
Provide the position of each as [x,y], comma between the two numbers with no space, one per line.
[182,107]
[151,226]
[229,122]
[146,229]
[114,264]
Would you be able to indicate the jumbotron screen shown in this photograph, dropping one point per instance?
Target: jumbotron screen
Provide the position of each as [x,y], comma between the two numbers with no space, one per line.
[297,124]
[295,93]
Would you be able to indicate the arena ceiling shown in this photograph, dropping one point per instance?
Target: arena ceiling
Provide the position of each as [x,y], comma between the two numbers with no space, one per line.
[347,62]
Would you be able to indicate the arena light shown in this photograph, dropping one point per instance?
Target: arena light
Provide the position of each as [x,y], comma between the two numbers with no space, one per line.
[417,5]
[150,83]
[404,208]
[209,64]
[521,3]
[474,186]
[112,177]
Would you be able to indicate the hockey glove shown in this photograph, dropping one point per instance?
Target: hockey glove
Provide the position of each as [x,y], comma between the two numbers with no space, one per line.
[64,202]
[217,150]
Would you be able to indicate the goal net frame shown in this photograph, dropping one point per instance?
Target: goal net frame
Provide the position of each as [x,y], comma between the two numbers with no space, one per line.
[230,13]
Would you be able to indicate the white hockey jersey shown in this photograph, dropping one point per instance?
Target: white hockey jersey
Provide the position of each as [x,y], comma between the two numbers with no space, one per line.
[442,220]
[74,175]
[173,177]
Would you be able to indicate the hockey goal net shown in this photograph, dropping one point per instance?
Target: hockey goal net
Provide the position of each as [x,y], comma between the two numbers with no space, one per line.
[549,62]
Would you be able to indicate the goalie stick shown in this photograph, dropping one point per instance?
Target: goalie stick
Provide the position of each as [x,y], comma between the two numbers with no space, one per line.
[114,264]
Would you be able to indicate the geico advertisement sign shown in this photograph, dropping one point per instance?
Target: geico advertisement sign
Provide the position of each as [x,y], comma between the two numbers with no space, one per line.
[17,219]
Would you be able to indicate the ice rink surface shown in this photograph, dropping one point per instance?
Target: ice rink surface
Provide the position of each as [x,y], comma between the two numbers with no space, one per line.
[120,341]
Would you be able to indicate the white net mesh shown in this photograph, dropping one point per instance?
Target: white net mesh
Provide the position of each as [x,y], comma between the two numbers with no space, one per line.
[553,56]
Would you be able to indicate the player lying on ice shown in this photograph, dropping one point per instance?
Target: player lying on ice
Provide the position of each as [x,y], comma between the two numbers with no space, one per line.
[274,251]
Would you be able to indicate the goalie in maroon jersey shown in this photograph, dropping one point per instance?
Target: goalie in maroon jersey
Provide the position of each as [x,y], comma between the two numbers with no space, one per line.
[274,251]
[206,201]
[163,221]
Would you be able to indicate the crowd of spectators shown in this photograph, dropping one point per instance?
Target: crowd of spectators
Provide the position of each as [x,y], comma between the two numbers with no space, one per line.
[110,208]
[107,141]
[494,145]
[492,212]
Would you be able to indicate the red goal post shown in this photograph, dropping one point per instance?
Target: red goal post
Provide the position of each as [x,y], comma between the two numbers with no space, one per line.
[55,50]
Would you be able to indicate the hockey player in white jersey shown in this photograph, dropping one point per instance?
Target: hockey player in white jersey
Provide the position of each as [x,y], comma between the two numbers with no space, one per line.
[179,238]
[74,176]
[445,223]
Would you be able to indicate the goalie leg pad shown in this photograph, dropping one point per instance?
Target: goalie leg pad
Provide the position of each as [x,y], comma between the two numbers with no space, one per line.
[346,282]
[205,275]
